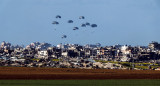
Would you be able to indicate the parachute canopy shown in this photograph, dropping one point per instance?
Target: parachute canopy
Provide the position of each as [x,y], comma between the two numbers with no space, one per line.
[64,36]
[58,16]
[81,17]
[87,23]
[83,25]
[93,25]
[75,28]
[55,22]
[70,21]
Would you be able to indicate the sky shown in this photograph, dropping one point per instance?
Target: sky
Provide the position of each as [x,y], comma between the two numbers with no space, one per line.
[132,22]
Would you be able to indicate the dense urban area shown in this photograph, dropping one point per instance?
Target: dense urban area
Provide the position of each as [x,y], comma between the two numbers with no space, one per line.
[90,56]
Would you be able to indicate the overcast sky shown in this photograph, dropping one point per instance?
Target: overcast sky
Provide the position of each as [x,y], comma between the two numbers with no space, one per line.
[132,22]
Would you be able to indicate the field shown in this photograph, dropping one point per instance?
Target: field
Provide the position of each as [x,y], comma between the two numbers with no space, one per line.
[79,82]
[24,73]
[22,76]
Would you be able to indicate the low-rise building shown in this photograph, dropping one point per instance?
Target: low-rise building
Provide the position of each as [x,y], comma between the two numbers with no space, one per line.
[43,54]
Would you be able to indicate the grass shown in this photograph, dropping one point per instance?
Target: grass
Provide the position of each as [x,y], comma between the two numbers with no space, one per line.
[56,60]
[35,59]
[124,62]
[129,64]
[141,67]
[79,82]
[52,59]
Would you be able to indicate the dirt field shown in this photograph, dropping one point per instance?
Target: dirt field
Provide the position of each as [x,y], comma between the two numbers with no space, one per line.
[66,73]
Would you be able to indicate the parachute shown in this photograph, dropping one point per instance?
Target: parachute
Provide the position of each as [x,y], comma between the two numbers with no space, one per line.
[58,16]
[70,21]
[87,23]
[83,25]
[75,28]
[55,22]
[81,17]
[93,25]
[64,36]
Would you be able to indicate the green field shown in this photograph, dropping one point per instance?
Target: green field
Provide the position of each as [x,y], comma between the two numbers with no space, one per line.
[79,82]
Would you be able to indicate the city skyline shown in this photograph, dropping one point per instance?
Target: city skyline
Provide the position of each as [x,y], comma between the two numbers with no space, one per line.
[68,44]
[119,21]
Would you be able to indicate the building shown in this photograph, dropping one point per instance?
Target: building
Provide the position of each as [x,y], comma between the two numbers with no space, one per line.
[43,54]
[154,45]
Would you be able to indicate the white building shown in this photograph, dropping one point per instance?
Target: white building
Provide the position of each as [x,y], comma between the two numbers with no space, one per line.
[65,54]
[125,50]
[43,54]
